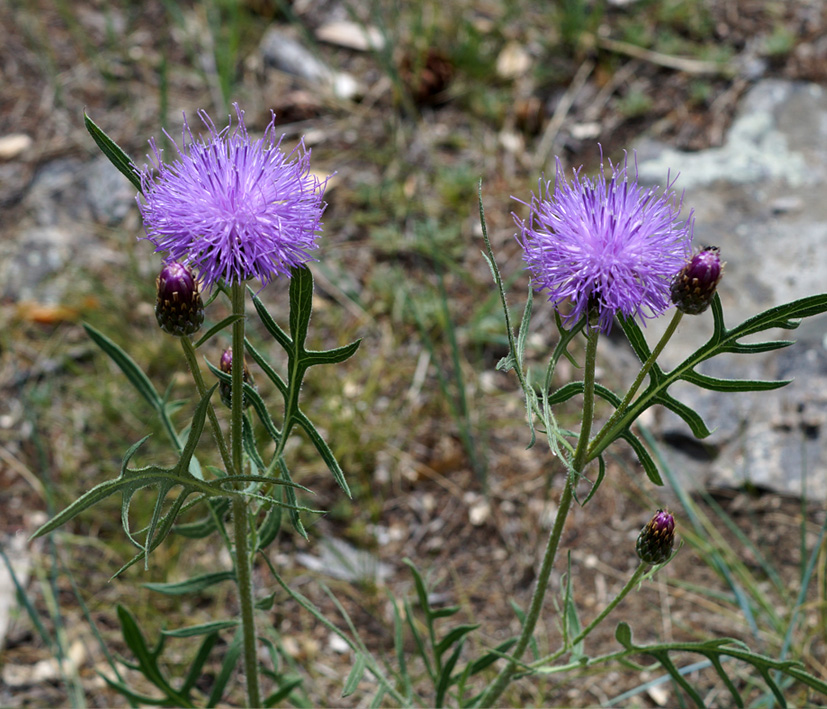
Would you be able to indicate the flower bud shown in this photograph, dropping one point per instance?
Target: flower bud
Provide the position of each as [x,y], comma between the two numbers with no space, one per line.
[225,389]
[654,543]
[178,308]
[695,284]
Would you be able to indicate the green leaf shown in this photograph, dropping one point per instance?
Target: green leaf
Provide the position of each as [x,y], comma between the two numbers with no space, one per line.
[733,385]
[147,659]
[194,672]
[623,634]
[227,669]
[127,365]
[215,329]
[689,415]
[715,650]
[265,367]
[266,603]
[454,636]
[203,629]
[445,679]
[324,451]
[643,456]
[487,660]
[287,686]
[355,675]
[334,356]
[113,152]
[269,529]
[271,325]
[193,585]
[301,304]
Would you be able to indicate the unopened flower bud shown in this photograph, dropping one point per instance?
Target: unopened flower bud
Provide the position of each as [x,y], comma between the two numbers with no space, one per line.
[225,389]
[695,284]
[654,543]
[178,308]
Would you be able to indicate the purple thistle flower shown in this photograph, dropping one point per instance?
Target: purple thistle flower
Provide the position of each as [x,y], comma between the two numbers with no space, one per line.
[231,208]
[612,245]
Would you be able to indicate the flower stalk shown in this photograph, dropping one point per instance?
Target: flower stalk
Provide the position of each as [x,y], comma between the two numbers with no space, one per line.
[243,565]
[496,689]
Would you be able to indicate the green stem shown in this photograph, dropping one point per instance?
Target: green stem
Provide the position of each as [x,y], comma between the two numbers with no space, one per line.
[615,421]
[501,682]
[243,569]
[630,584]
[192,361]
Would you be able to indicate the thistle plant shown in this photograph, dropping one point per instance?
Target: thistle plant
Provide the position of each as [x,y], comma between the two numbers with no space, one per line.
[606,252]
[224,210]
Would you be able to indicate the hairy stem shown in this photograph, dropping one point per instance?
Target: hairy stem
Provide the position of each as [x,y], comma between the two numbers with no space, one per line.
[243,566]
[496,689]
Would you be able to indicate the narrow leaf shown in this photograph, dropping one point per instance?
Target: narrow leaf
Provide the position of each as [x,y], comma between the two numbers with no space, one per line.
[355,675]
[215,329]
[128,366]
[271,325]
[203,629]
[323,450]
[334,356]
[301,304]
[113,152]
[643,456]
[193,585]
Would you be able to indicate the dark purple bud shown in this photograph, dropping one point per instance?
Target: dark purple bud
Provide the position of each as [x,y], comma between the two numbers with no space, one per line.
[225,389]
[178,308]
[695,284]
[654,543]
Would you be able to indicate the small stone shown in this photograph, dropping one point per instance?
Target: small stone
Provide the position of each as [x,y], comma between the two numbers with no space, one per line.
[14,145]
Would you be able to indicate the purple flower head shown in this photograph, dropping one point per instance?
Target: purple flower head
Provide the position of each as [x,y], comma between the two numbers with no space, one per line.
[612,245]
[232,208]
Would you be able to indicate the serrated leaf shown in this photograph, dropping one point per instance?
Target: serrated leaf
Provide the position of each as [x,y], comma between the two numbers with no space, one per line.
[196,584]
[113,152]
[213,626]
[355,675]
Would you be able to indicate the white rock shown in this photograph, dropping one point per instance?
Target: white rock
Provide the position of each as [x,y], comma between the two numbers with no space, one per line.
[352,35]
[13,145]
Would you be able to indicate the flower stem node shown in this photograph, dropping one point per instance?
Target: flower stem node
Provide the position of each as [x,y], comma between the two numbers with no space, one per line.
[178,307]
[695,284]
[225,389]
[654,543]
